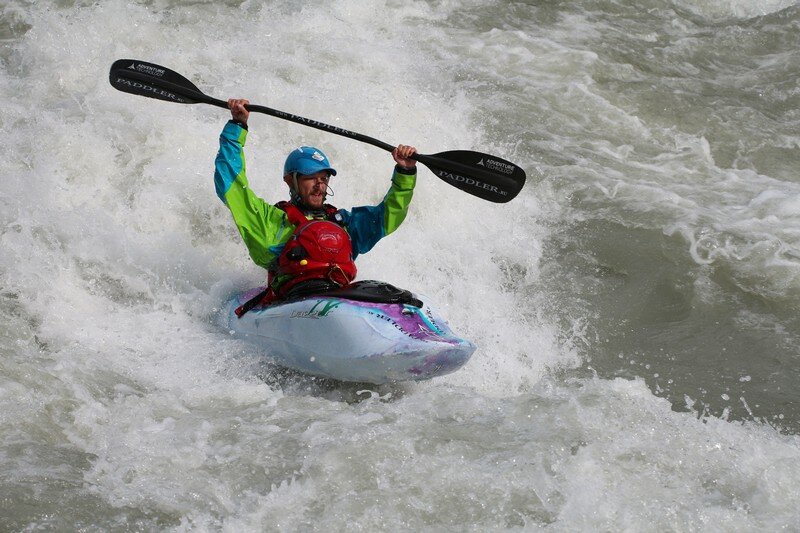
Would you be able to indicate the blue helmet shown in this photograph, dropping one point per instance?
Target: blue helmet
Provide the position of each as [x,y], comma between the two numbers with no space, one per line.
[307,160]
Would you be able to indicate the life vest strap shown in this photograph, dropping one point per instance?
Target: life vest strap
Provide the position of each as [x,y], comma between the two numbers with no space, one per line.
[297,217]
[254,301]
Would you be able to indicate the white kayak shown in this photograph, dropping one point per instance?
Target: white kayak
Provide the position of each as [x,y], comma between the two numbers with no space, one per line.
[367,332]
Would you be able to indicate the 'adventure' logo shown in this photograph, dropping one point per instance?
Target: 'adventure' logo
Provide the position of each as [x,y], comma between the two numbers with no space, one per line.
[497,166]
[147,69]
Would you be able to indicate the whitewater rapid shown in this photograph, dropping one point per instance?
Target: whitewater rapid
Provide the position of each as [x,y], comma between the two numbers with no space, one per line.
[634,307]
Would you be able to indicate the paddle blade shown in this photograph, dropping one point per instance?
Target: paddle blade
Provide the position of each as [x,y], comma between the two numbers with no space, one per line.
[482,175]
[154,81]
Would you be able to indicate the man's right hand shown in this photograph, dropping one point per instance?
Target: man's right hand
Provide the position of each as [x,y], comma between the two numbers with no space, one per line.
[238,112]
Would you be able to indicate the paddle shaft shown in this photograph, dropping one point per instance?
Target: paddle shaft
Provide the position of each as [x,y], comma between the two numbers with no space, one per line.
[204,98]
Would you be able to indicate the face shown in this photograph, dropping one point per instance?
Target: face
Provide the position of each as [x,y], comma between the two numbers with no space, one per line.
[312,188]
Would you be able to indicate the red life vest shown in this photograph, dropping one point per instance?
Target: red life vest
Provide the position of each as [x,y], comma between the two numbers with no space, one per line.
[318,249]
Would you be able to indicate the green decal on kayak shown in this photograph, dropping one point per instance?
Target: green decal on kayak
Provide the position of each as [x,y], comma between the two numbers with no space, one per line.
[329,305]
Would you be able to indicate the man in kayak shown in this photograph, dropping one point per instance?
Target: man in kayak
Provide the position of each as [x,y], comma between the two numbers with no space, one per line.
[305,244]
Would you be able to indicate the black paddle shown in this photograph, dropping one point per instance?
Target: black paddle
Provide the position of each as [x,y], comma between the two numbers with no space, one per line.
[482,175]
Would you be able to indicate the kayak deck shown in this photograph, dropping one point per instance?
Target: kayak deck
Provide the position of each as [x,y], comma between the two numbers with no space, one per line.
[344,339]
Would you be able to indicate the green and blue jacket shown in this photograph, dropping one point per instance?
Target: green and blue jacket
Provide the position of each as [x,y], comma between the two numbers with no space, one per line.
[265,228]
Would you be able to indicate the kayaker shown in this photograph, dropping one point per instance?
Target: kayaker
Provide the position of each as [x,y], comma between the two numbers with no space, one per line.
[305,244]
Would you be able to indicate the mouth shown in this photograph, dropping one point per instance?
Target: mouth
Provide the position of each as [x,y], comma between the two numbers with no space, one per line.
[316,196]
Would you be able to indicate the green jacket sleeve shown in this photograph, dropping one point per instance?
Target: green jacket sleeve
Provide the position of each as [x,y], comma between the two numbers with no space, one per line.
[264,228]
[369,224]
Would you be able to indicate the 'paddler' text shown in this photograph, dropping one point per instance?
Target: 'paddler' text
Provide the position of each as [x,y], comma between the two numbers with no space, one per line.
[458,178]
[149,88]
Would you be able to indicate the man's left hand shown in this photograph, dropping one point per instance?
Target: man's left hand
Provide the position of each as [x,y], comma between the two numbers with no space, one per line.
[402,156]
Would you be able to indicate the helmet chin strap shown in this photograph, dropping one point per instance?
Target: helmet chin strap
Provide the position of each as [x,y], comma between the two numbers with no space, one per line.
[294,192]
